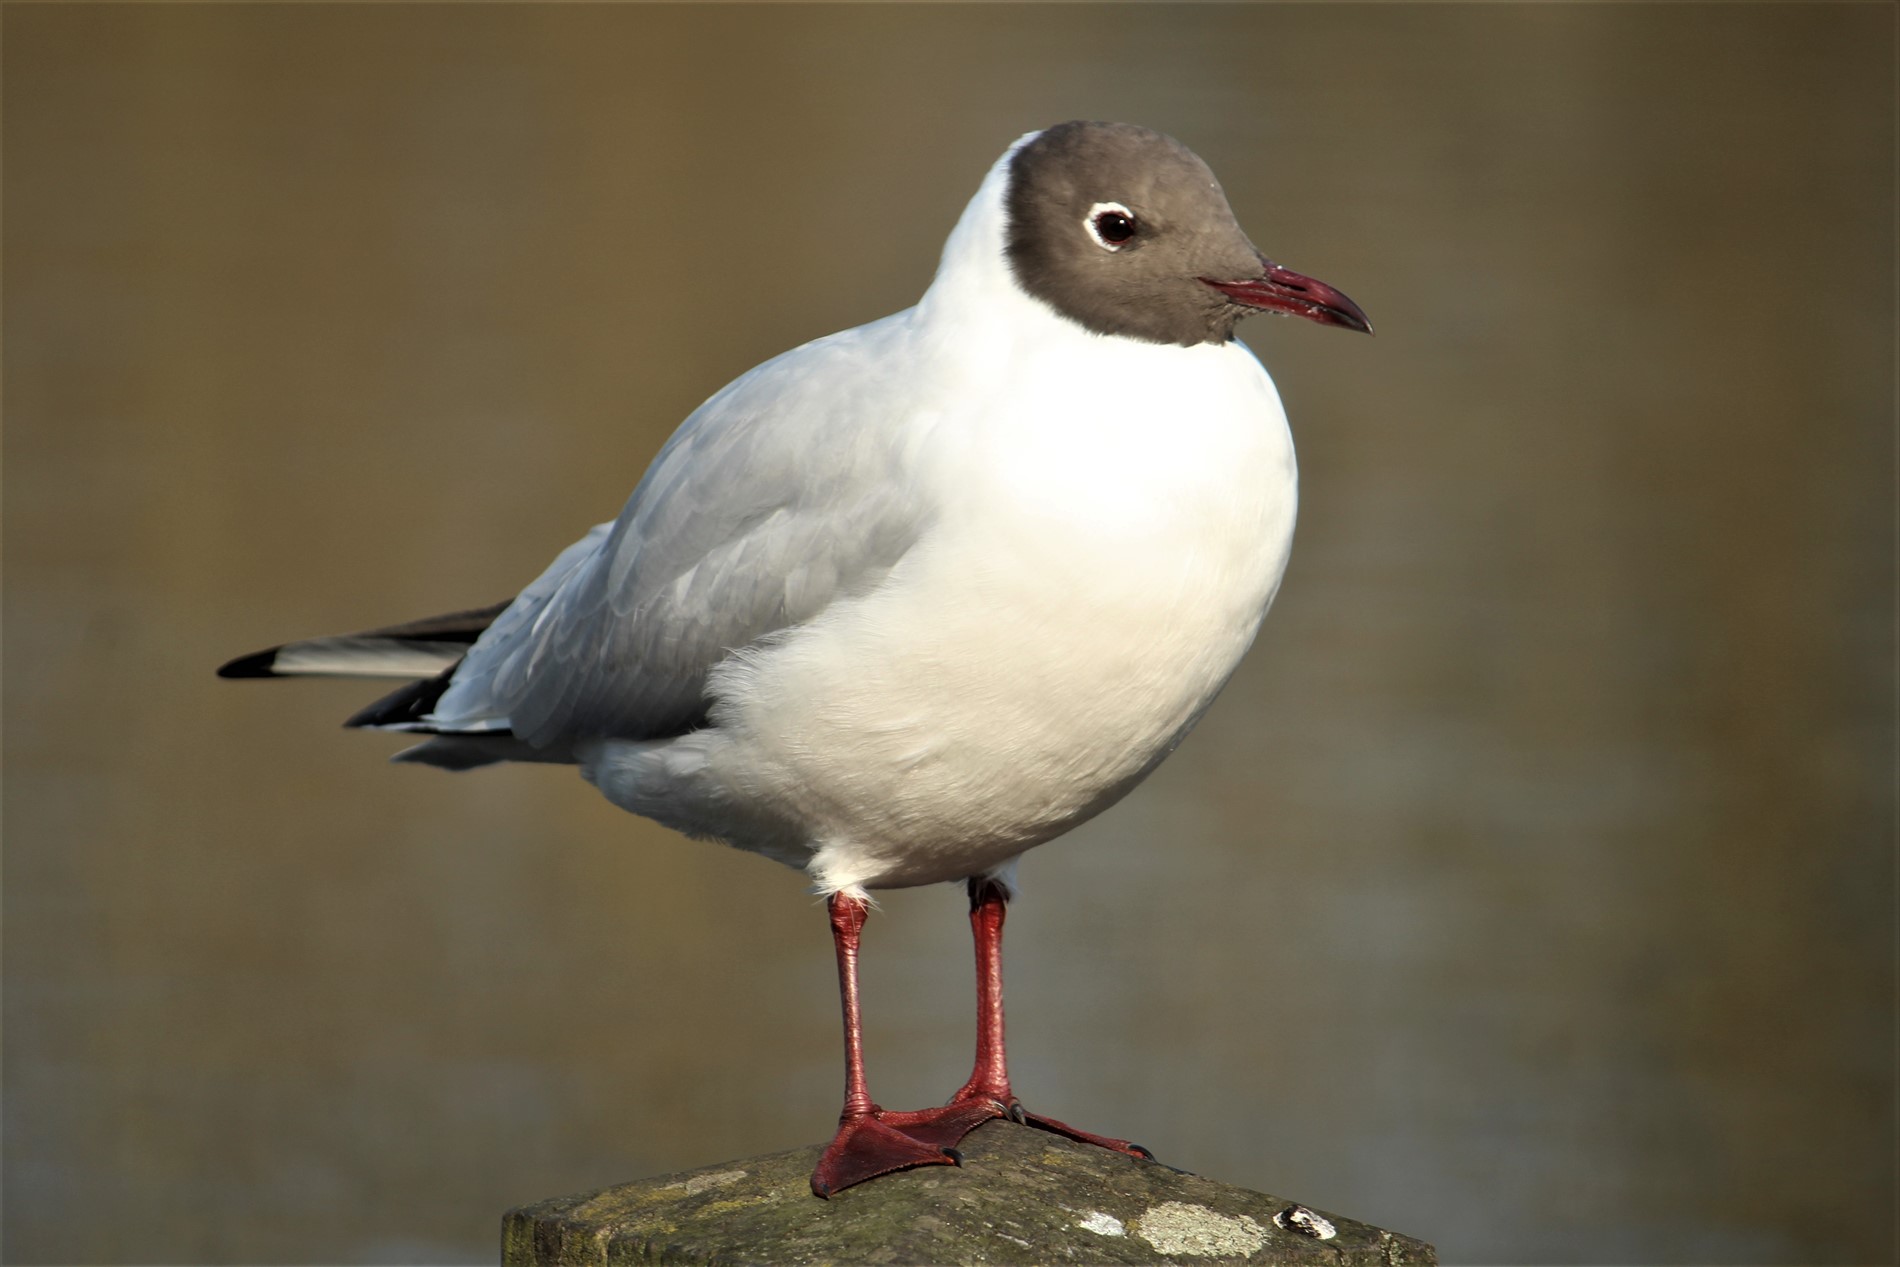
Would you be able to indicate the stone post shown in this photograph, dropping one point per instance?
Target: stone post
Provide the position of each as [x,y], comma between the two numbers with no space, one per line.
[1021,1196]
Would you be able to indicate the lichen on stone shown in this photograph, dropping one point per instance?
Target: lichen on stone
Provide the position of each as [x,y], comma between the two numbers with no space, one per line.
[1177,1227]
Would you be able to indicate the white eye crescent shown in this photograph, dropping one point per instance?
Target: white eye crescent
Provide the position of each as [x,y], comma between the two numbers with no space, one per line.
[1111,225]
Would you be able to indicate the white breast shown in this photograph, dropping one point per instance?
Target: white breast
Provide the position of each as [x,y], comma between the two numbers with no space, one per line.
[1111,532]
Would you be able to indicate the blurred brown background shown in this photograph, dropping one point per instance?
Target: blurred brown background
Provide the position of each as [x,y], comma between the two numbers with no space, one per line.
[1530,890]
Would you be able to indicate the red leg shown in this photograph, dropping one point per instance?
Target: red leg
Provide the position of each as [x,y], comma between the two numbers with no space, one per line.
[865,1145]
[987,1095]
[872,1141]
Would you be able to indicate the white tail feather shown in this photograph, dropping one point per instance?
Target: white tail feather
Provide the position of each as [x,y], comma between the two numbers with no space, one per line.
[366,657]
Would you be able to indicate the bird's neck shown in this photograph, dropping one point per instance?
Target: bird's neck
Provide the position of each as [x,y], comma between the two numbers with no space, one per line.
[975,287]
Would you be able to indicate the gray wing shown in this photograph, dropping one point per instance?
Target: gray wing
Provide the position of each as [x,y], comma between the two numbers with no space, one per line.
[787,491]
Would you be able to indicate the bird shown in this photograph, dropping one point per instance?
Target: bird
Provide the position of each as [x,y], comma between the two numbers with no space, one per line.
[900,604]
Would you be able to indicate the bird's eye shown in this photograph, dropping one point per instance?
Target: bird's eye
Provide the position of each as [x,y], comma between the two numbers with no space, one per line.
[1111,225]
[1114,227]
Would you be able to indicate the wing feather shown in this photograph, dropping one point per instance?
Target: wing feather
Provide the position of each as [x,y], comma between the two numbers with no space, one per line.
[784,493]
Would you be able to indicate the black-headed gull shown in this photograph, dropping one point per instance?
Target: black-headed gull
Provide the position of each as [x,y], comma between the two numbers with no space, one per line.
[900,604]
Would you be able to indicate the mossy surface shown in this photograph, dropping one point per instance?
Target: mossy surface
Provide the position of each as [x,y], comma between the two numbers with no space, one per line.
[1020,1196]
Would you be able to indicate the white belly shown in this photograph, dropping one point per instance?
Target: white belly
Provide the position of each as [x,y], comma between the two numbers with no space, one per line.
[1098,570]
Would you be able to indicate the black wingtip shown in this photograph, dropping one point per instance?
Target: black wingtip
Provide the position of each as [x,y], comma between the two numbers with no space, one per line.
[257,664]
[408,704]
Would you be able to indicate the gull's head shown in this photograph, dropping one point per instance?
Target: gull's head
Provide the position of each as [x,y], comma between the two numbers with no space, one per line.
[1127,232]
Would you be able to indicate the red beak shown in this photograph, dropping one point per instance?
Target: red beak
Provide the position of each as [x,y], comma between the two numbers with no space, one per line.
[1283,290]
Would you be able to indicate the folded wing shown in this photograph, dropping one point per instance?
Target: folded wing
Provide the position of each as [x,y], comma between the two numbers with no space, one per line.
[786,492]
